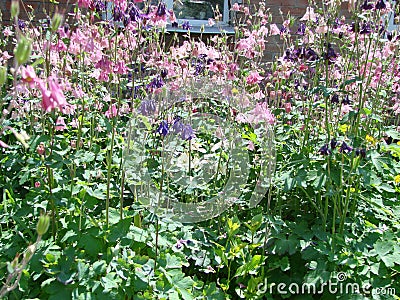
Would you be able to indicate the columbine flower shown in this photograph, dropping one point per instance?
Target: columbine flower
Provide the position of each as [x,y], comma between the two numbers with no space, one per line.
[156,83]
[330,54]
[28,75]
[161,10]
[345,148]
[365,28]
[346,100]
[60,124]
[186,25]
[187,132]
[163,128]
[54,98]
[361,152]
[366,5]
[310,15]
[335,98]
[302,29]
[147,107]
[254,77]
[333,143]
[112,111]
[324,150]
[380,5]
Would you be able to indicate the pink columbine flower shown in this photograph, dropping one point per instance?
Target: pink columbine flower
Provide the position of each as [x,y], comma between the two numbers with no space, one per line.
[254,77]
[236,7]
[84,3]
[211,22]
[7,32]
[28,75]
[60,124]
[111,112]
[54,98]
[288,107]
[274,30]
[310,15]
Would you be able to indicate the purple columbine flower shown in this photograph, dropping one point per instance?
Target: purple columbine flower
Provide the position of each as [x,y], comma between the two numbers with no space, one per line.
[302,29]
[324,150]
[186,25]
[333,143]
[21,24]
[161,10]
[361,152]
[311,55]
[147,107]
[365,28]
[178,125]
[134,13]
[335,98]
[99,6]
[346,100]
[156,83]
[330,54]
[187,133]
[366,5]
[345,148]
[163,128]
[380,5]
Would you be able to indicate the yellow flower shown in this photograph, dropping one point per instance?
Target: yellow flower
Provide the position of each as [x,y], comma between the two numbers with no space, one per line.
[397,179]
[343,128]
[370,139]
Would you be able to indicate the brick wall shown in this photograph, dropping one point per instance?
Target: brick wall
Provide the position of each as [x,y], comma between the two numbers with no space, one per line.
[278,8]
[40,8]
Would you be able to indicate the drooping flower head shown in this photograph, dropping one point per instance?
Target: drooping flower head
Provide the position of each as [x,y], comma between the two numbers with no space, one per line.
[163,128]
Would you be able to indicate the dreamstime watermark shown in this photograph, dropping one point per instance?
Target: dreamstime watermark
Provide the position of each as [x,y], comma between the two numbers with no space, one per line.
[339,285]
[194,179]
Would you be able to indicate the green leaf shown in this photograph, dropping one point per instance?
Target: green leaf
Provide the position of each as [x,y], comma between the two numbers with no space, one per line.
[249,267]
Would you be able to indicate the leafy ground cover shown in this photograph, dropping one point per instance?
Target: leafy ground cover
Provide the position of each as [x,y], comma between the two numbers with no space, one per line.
[139,164]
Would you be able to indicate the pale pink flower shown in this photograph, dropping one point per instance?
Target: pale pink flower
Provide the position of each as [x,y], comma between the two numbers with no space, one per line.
[236,7]
[28,75]
[250,146]
[274,30]
[7,32]
[74,123]
[310,15]
[37,184]
[259,95]
[60,124]
[112,111]
[211,22]
[346,108]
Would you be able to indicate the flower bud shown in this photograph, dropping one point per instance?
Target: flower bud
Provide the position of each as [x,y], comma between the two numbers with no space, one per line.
[14,9]
[29,252]
[3,75]
[43,224]
[23,50]
[40,149]
[56,21]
